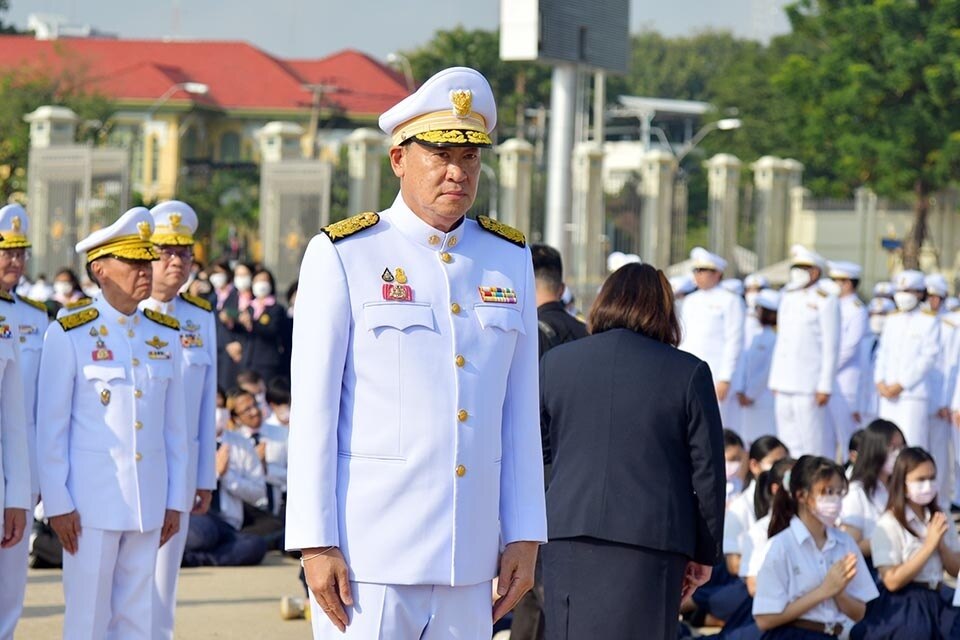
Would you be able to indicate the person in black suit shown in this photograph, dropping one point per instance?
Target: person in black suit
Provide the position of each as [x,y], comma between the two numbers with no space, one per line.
[636,498]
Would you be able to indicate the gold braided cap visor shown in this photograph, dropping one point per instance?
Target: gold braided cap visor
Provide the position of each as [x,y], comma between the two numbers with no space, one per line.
[14,240]
[442,128]
[168,235]
[131,247]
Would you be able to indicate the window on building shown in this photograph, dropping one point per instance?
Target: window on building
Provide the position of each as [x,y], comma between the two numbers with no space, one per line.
[230,147]
[154,158]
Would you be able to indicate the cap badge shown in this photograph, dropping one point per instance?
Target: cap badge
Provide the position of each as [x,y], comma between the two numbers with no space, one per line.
[15,223]
[462,101]
[175,219]
[144,229]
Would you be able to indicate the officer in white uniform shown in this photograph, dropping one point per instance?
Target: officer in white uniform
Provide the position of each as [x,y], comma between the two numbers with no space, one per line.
[111,437]
[868,400]
[712,328]
[175,223]
[805,358]
[941,429]
[753,284]
[908,351]
[853,328]
[30,319]
[757,414]
[414,448]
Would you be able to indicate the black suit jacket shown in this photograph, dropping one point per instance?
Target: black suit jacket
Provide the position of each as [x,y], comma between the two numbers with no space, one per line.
[637,445]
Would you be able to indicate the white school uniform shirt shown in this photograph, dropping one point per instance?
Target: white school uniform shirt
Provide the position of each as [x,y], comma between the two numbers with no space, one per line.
[853,328]
[860,510]
[754,546]
[740,515]
[808,339]
[15,466]
[908,350]
[414,438]
[712,329]
[891,545]
[276,436]
[111,436]
[243,481]
[793,566]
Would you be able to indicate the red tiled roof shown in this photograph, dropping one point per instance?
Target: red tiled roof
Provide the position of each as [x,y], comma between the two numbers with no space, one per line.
[239,75]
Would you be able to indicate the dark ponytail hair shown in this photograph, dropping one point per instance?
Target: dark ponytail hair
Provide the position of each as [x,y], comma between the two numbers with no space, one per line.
[763,495]
[806,473]
[908,460]
[761,448]
[872,454]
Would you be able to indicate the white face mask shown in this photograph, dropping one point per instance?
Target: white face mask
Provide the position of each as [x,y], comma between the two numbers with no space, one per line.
[921,492]
[261,289]
[242,282]
[218,280]
[751,298]
[876,324]
[733,468]
[799,277]
[890,461]
[905,300]
[828,509]
[282,412]
[62,288]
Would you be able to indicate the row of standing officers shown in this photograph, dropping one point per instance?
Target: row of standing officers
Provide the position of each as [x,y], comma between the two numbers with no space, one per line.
[108,415]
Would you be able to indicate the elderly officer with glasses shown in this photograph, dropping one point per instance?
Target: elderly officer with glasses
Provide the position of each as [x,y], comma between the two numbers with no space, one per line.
[175,223]
[111,437]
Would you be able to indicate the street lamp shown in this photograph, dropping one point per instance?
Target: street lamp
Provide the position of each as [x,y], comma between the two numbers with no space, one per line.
[404,62]
[194,88]
[725,124]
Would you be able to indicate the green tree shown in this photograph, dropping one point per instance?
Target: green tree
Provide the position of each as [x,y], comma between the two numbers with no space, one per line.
[876,95]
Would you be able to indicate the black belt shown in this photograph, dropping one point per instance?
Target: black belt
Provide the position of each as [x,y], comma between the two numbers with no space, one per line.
[826,628]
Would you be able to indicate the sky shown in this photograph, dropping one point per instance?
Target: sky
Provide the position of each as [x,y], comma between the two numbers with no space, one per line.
[315,28]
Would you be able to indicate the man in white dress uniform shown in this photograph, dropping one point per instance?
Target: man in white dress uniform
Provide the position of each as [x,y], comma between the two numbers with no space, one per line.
[111,440]
[414,447]
[175,223]
[853,329]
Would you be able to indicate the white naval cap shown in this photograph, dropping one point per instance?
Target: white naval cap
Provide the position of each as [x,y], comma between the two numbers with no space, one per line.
[768,299]
[952,303]
[682,285]
[756,281]
[935,282]
[881,305]
[128,237]
[883,289]
[800,256]
[174,223]
[733,285]
[13,227]
[910,280]
[454,108]
[845,270]
[703,259]
[618,258]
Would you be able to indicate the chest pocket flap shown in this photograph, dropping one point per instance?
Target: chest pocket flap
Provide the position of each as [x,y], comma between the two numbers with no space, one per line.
[103,373]
[398,315]
[196,357]
[159,370]
[502,316]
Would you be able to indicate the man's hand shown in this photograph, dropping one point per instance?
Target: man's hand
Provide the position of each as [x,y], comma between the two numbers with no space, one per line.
[695,576]
[517,564]
[744,401]
[67,528]
[723,389]
[201,502]
[894,391]
[222,459]
[328,578]
[943,413]
[857,418]
[235,351]
[14,522]
[245,320]
[822,399]
[171,524]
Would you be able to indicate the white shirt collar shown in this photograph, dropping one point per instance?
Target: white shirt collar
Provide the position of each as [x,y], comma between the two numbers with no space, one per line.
[419,232]
[802,534]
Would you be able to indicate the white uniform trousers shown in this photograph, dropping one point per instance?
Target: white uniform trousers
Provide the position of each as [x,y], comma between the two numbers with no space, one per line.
[108,585]
[730,413]
[841,416]
[956,462]
[13,580]
[424,612]
[165,581]
[804,427]
[912,415]
[941,448]
[756,421]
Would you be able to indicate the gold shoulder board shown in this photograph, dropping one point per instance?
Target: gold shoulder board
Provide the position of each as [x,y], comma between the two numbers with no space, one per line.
[197,301]
[76,304]
[857,303]
[822,293]
[950,323]
[162,318]
[930,312]
[78,319]
[506,232]
[6,296]
[36,304]
[348,227]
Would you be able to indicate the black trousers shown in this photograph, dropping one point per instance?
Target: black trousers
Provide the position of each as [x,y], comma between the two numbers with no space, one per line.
[598,589]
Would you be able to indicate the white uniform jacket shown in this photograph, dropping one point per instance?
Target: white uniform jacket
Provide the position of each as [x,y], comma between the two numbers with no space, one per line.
[908,350]
[112,437]
[414,440]
[15,463]
[808,338]
[853,328]
[32,320]
[712,326]
[198,339]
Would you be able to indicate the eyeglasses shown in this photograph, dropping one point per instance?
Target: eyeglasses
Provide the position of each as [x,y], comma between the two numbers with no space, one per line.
[169,253]
[251,409]
[14,255]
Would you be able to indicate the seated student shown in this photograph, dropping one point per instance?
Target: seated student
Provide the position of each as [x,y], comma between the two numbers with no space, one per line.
[252,382]
[853,449]
[735,458]
[813,577]
[867,498]
[913,544]
[275,431]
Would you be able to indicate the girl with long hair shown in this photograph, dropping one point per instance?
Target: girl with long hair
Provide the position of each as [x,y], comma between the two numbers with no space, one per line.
[813,578]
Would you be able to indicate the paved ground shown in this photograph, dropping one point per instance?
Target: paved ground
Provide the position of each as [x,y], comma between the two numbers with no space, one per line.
[213,603]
